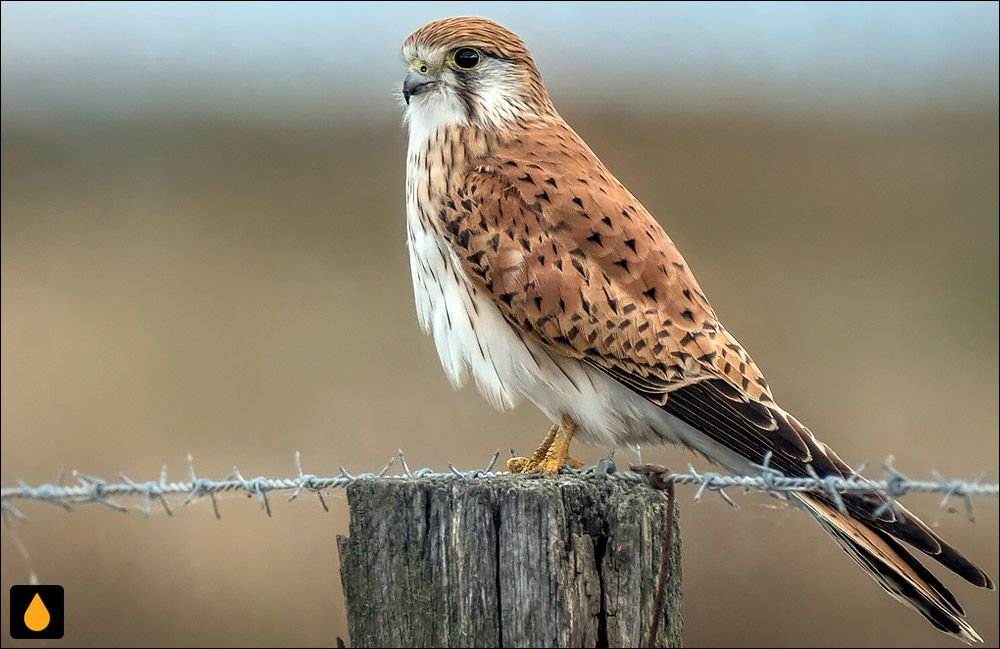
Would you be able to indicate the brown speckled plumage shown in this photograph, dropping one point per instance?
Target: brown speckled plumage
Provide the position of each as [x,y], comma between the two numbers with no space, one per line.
[527,221]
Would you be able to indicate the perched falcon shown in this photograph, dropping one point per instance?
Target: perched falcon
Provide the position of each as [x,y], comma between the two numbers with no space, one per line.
[537,272]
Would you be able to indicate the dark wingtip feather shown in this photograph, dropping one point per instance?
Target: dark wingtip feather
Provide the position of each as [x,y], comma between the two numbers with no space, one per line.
[914,531]
[897,571]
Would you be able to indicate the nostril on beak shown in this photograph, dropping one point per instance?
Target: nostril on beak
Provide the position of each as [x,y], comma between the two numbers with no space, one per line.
[415,83]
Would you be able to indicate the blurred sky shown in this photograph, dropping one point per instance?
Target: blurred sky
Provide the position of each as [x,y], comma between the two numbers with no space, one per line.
[67,61]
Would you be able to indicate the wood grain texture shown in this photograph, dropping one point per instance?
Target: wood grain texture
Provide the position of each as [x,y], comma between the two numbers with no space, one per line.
[506,561]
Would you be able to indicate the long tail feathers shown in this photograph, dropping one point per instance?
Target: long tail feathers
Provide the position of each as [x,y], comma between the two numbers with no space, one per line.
[894,568]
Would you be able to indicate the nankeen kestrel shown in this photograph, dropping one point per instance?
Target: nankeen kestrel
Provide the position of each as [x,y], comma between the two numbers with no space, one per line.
[537,272]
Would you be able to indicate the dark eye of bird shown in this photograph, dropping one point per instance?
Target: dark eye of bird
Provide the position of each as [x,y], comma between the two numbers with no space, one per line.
[466,58]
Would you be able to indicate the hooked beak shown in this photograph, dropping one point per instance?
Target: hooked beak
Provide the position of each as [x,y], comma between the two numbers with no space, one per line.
[415,83]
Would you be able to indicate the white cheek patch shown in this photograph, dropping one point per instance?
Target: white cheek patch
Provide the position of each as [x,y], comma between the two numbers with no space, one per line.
[497,93]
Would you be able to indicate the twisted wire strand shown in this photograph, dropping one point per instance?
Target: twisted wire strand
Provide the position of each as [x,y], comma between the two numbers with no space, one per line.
[90,489]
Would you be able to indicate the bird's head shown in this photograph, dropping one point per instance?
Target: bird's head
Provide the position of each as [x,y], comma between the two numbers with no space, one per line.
[470,71]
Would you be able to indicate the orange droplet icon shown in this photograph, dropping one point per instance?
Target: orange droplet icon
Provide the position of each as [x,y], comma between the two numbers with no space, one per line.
[36,617]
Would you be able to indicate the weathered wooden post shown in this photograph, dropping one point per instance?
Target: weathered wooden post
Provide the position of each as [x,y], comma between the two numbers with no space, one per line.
[507,561]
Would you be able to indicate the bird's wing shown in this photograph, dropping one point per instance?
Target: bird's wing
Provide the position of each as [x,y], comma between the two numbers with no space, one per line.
[588,264]
[572,259]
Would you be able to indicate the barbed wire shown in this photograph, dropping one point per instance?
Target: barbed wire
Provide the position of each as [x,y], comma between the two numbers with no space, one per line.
[90,489]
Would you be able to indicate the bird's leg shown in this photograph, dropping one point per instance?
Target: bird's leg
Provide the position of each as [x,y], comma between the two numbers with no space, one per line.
[551,454]
[559,450]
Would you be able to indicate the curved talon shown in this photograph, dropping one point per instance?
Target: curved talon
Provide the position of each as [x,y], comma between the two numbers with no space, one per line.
[518,464]
[550,456]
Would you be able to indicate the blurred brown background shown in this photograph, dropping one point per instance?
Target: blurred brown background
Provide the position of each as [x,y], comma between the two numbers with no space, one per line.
[233,283]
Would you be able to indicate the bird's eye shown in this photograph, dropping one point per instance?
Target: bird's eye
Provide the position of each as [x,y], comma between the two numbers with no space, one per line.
[466,58]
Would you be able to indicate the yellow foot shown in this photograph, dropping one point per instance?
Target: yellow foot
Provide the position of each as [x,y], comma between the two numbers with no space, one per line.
[551,454]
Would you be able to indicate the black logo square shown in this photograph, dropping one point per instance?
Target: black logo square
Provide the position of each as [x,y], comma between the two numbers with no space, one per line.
[36,612]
